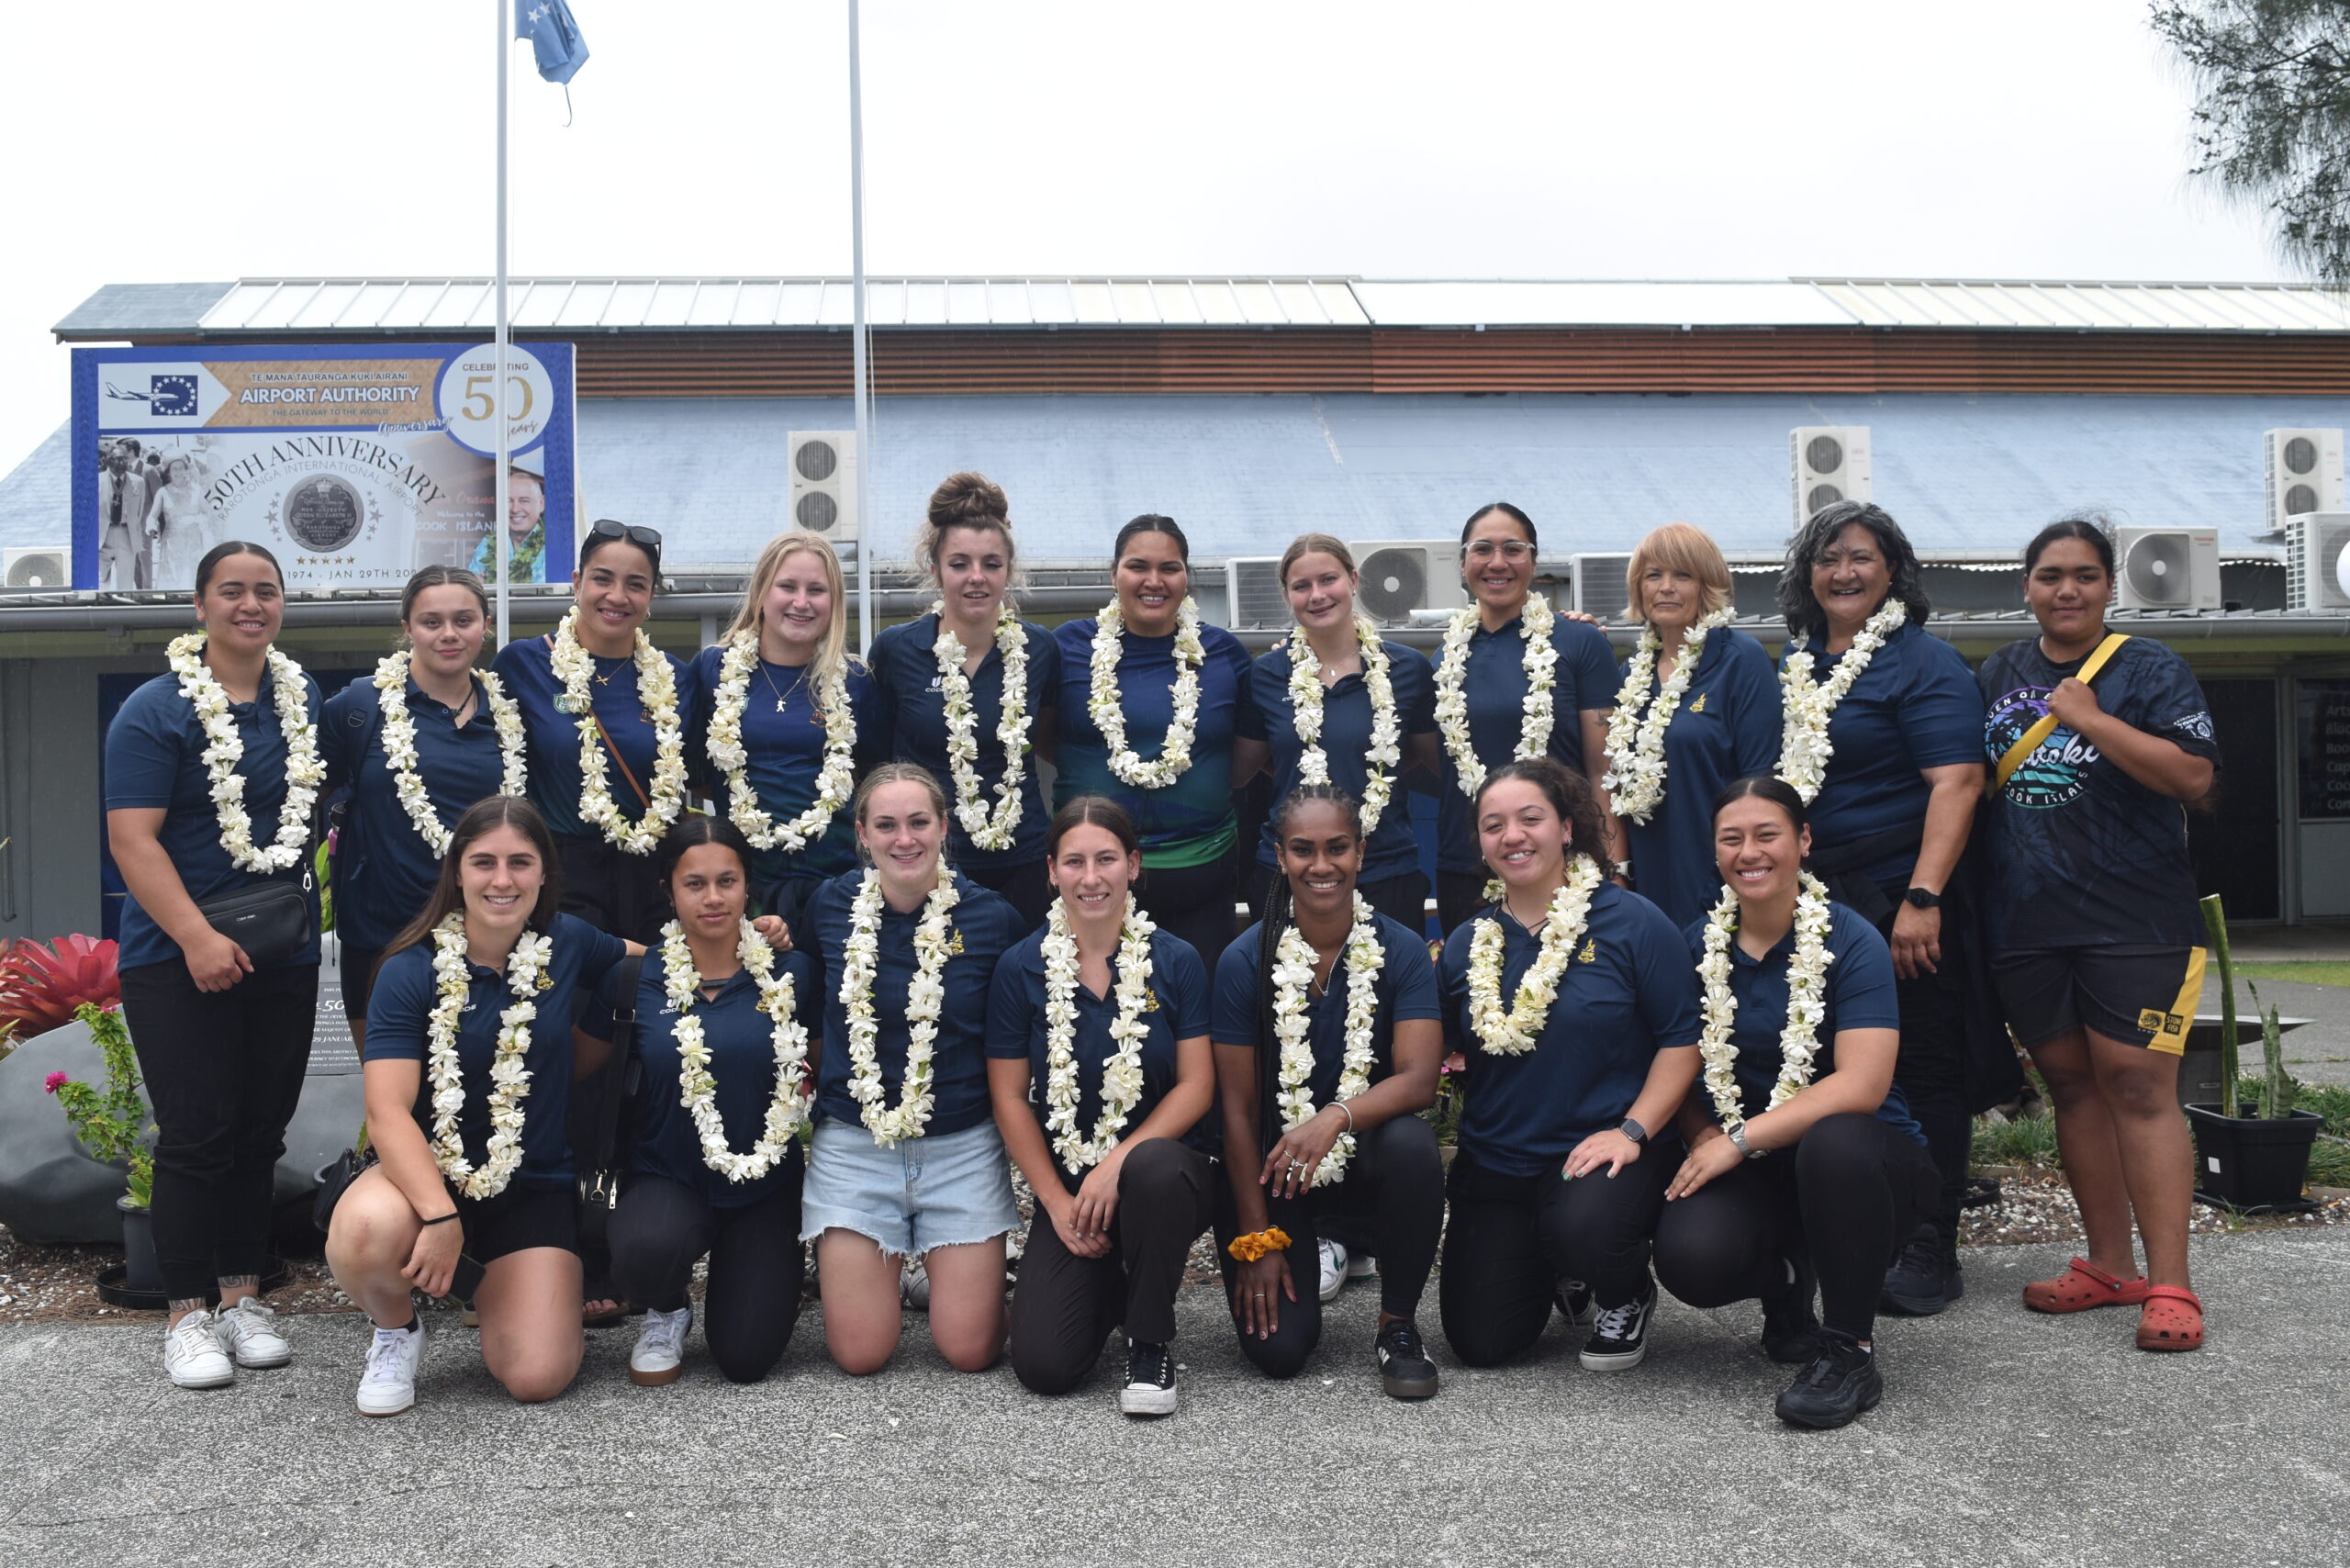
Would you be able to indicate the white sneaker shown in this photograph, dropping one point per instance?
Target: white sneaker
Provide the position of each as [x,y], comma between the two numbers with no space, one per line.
[1333,1268]
[192,1354]
[913,1286]
[388,1385]
[1360,1266]
[248,1331]
[660,1352]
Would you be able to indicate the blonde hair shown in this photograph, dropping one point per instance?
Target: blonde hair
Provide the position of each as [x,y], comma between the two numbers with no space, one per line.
[1313,545]
[832,658]
[1678,547]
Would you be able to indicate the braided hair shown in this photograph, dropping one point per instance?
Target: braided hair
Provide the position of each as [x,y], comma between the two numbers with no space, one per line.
[1278,904]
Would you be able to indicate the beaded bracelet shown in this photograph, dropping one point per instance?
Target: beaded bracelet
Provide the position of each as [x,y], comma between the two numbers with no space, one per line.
[1256,1243]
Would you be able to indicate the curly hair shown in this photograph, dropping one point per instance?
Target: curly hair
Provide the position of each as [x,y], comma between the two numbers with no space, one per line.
[1570,796]
[1801,606]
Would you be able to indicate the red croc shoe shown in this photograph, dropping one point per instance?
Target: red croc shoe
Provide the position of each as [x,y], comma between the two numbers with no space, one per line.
[2173,1319]
[2081,1286]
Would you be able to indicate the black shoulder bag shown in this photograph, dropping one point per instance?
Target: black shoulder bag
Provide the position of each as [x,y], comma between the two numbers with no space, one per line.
[604,1171]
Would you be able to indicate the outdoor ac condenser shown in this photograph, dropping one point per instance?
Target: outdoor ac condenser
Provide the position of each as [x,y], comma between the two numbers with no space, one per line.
[1253,600]
[823,498]
[2315,543]
[1600,589]
[2304,474]
[2167,568]
[41,568]
[1400,576]
[1831,465]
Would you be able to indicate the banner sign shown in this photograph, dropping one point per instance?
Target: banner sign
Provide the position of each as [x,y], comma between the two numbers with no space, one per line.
[354,464]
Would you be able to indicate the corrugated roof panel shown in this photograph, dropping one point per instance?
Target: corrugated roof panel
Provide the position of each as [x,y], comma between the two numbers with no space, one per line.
[1175,304]
[235,310]
[1219,306]
[1009,304]
[453,307]
[714,303]
[672,303]
[1097,303]
[371,305]
[1506,302]
[1132,302]
[966,304]
[277,312]
[798,302]
[630,302]
[1052,301]
[925,303]
[585,305]
[754,307]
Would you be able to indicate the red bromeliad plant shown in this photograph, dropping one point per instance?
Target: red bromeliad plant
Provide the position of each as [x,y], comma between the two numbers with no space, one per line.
[42,983]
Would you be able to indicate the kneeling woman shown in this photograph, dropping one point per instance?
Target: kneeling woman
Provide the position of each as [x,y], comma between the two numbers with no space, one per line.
[1805,1168]
[1328,1042]
[906,1161]
[1574,1008]
[1100,1070]
[722,1038]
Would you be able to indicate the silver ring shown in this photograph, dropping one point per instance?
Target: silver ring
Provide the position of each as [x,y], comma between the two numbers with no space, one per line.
[1260,1295]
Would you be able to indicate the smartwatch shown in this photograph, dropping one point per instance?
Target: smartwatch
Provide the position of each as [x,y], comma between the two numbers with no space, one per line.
[1921,898]
[1633,1130]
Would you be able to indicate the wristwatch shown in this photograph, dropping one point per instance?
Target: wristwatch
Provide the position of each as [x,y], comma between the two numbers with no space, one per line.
[1622,869]
[1633,1130]
[1922,899]
[1737,1141]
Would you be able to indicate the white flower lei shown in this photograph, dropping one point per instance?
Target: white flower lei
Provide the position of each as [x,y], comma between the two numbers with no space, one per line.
[1122,1079]
[509,1079]
[1293,973]
[925,997]
[698,1090]
[399,744]
[224,748]
[835,779]
[1806,1002]
[1635,781]
[1540,660]
[1804,745]
[656,688]
[1517,1030]
[1104,704]
[988,830]
[1306,696]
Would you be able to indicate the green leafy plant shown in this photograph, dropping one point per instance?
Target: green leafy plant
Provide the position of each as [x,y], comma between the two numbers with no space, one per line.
[2276,1085]
[112,1126]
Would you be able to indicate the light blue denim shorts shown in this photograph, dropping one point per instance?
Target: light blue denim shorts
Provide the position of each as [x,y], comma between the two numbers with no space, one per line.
[924,1193]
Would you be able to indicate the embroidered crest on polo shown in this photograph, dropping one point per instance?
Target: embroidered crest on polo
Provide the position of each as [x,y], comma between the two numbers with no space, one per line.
[1804,745]
[988,828]
[1104,705]
[1635,780]
[1806,1002]
[656,688]
[1122,1077]
[399,745]
[224,748]
[1514,1030]
[925,999]
[698,1086]
[1294,961]
[836,777]
[510,1081]
[1539,660]
[1305,695]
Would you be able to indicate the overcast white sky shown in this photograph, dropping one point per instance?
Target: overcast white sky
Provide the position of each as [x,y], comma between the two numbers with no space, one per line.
[157,141]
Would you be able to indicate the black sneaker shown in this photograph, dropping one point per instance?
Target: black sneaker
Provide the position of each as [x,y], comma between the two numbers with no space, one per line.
[1925,1278]
[1842,1381]
[1790,1328]
[1150,1380]
[1405,1369]
[1619,1335]
[1574,1299]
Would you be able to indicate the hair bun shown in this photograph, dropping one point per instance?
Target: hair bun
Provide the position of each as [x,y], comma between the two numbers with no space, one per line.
[967,498]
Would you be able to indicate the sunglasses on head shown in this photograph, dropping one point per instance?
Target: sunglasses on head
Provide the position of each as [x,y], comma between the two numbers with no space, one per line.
[603,529]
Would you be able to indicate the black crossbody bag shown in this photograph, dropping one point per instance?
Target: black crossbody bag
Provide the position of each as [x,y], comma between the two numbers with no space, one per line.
[604,1173]
[270,919]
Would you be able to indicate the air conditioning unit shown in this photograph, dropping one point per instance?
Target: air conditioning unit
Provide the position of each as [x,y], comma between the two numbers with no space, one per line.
[2304,469]
[824,498]
[1831,465]
[1253,599]
[2167,568]
[2315,546]
[1402,576]
[42,569]
[1600,588]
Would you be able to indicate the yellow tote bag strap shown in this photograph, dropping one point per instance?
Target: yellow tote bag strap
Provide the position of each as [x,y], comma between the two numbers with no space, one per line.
[2029,742]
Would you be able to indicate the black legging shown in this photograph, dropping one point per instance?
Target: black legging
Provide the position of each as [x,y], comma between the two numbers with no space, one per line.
[1932,1065]
[1064,1306]
[223,1070]
[1393,1190]
[752,1299]
[1849,1195]
[1194,903]
[1514,1240]
[1025,887]
[1403,899]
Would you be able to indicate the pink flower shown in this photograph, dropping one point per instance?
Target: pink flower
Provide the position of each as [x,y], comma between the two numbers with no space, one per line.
[55,1082]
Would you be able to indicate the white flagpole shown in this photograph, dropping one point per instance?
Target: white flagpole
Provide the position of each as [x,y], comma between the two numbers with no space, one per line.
[498,378]
[859,351]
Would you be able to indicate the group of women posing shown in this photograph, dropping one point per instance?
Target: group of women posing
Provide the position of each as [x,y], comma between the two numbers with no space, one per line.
[881,929]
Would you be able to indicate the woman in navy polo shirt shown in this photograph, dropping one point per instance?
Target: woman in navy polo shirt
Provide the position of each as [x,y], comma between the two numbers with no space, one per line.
[943,677]
[906,1163]
[719,1176]
[1100,1071]
[1573,1003]
[1805,1168]
[1882,736]
[222,1036]
[597,686]
[423,740]
[1166,676]
[785,720]
[1328,1044]
[1370,706]
[1515,680]
[1698,708]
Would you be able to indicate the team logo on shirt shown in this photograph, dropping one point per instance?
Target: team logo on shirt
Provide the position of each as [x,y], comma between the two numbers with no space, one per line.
[1149,1000]
[1590,954]
[956,946]
[1699,705]
[2057,771]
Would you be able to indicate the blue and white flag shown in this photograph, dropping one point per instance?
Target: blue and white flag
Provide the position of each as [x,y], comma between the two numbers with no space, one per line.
[553,35]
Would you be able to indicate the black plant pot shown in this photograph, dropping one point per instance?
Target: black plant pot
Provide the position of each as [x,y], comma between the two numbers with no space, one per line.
[139,1271]
[2252,1163]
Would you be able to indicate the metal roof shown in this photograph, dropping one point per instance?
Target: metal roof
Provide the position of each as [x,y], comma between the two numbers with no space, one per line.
[2091,306]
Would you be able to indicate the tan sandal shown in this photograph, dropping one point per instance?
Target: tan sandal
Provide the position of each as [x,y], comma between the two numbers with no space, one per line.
[2082,1286]
[2172,1320]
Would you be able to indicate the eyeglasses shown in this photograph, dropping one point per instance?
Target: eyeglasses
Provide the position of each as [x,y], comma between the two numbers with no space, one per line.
[1511,549]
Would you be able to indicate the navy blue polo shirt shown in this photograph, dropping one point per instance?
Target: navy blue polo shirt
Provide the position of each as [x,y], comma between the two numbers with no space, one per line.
[154,758]
[906,670]
[741,1058]
[1346,737]
[1177,1009]
[1584,679]
[784,736]
[1914,707]
[1627,993]
[1407,987]
[399,1012]
[383,870]
[1190,822]
[985,926]
[1859,996]
[1727,728]
[526,666]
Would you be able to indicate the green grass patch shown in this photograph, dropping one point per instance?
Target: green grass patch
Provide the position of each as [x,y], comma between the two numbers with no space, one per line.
[2306,973]
[2034,1142]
